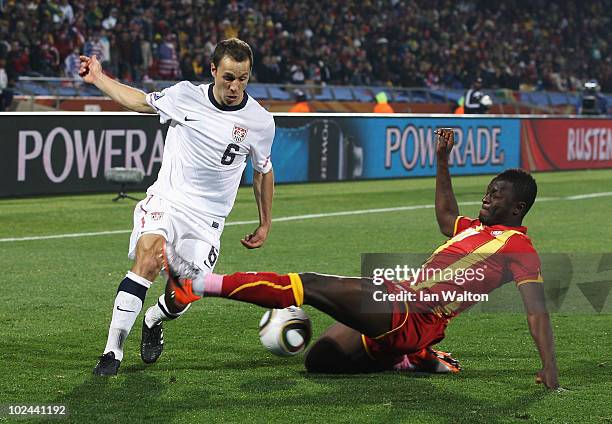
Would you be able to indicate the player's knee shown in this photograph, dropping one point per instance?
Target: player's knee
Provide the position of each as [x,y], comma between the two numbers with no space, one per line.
[325,356]
[316,360]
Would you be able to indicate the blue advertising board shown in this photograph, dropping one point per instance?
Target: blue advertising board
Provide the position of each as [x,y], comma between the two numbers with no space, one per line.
[367,147]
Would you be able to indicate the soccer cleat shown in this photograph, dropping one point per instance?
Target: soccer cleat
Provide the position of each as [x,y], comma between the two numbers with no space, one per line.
[183,292]
[176,266]
[151,343]
[434,361]
[446,360]
[180,275]
[107,365]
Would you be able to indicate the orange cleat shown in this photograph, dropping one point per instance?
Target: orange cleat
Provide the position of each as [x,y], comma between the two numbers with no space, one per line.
[434,361]
[175,265]
[180,274]
[183,292]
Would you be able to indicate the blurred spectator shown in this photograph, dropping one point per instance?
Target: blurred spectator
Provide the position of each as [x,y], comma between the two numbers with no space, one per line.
[136,57]
[268,70]
[147,56]
[382,104]
[475,101]
[18,60]
[146,20]
[297,73]
[105,43]
[95,46]
[124,47]
[63,42]
[591,101]
[301,105]
[187,69]
[45,58]
[200,67]
[94,14]
[168,66]
[6,94]
[111,21]
[72,64]
[52,9]
[67,11]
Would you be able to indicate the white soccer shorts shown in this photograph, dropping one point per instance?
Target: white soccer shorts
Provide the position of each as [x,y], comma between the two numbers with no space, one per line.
[196,240]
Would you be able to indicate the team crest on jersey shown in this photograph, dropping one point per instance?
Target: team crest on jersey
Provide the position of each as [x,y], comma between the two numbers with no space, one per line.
[496,233]
[239,133]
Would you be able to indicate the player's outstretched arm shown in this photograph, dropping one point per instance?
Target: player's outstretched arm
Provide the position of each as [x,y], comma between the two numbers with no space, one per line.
[263,187]
[541,331]
[447,209]
[128,97]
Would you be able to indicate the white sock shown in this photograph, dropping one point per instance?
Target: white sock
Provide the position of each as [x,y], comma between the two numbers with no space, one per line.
[159,312]
[127,306]
[125,311]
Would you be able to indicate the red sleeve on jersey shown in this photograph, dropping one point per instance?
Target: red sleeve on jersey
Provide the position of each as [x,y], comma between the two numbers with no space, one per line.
[523,260]
[462,223]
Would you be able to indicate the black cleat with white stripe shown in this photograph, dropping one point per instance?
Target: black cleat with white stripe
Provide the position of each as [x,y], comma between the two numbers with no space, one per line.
[151,343]
[107,366]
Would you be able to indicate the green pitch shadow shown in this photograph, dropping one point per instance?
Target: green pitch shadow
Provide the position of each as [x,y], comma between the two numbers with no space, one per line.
[410,394]
[134,396]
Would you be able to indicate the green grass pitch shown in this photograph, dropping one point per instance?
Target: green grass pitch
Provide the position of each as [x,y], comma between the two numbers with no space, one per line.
[57,296]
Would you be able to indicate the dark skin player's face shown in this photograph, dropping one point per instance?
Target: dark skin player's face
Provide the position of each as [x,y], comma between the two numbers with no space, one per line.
[499,206]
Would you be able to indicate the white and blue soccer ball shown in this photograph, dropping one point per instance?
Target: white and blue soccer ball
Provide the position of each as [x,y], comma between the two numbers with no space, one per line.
[285,332]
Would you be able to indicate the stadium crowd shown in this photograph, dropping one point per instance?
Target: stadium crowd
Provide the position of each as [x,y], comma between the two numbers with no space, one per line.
[516,44]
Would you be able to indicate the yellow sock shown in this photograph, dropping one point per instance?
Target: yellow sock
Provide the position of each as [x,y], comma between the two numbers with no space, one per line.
[297,288]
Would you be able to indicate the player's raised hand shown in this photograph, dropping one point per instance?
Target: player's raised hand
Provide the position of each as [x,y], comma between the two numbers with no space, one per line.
[445,142]
[256,239]
[90,68]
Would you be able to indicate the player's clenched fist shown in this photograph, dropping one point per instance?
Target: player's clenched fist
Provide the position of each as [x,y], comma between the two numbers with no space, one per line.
[445,142]
[90,68]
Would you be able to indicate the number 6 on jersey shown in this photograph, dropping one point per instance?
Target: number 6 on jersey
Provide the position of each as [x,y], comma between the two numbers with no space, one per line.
[229,155]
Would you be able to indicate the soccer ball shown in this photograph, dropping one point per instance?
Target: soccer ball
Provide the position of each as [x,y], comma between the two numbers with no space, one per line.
[285,332]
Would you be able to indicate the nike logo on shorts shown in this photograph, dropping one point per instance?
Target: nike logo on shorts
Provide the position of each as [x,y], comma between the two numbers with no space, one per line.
[124,310]
[189,120]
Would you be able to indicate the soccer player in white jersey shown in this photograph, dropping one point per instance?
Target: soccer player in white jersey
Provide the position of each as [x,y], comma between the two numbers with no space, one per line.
[213,128]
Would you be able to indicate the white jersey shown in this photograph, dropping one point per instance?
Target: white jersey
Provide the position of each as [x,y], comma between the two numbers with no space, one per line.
[206,148]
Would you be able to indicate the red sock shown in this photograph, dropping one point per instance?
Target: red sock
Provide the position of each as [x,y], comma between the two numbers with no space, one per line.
[261,288]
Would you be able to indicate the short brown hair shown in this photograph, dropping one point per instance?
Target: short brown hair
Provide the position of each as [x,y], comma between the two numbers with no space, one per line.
[234,48]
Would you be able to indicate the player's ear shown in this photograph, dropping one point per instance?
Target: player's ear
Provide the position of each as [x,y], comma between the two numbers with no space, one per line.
[213,70]
[520,208]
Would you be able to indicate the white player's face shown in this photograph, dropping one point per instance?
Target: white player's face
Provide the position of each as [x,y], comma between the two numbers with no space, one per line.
[231,79]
